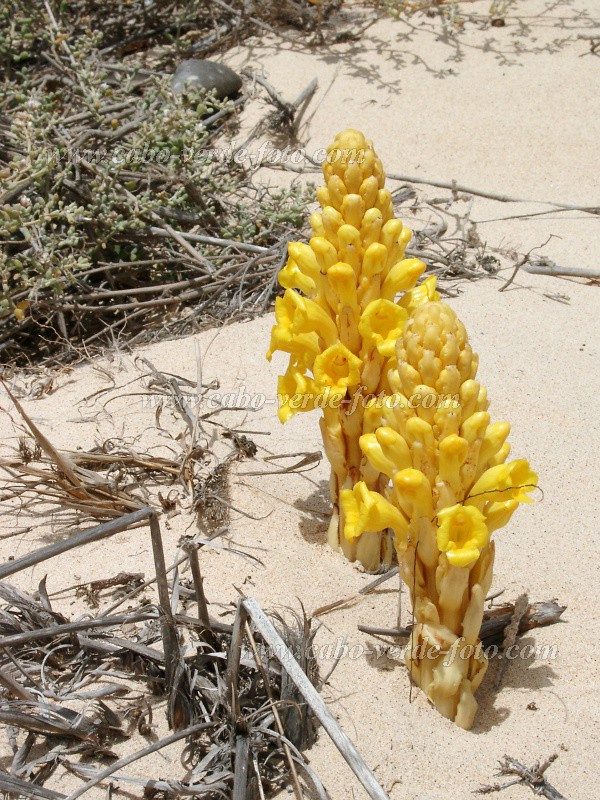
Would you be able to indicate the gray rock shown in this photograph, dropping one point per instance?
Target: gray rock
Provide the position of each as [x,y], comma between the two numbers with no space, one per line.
[202,74]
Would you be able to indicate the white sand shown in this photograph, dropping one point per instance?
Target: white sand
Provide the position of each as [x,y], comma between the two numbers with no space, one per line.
[523,128]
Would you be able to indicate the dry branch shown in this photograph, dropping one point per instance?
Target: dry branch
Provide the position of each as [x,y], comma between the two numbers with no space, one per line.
[325,717]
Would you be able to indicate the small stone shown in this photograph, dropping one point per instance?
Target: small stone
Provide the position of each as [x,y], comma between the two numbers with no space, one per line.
[201,74]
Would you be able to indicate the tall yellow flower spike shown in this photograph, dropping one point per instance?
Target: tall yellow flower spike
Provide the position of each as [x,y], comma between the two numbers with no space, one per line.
[340,318]
[449,483]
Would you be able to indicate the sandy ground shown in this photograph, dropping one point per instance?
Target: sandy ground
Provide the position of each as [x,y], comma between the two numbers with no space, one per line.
[509,110]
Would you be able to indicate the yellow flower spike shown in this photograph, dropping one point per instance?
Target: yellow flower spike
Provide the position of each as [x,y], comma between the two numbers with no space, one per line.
[333,323]
[337,368]
[295,392]
[292,277]
[380,325]
[368,511]
[462,534]
[402,277]
[504,482]
[422,293]
[414,492]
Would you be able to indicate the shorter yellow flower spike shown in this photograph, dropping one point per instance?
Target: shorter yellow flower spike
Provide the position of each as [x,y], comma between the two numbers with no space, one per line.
[461,534]
[295,392]
[504,482]
[337,368]
[367,511]
[381,324]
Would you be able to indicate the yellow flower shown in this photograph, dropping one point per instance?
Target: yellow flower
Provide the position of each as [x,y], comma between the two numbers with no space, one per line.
[337,367]
[306,316]
[420,294]
[365,510]
[342,279]
[402,277]
[295,392]
[461,534]
[292,277]
[380,325]
[498,514]
[386,450]
[283,337]
[504,482]
[413,492]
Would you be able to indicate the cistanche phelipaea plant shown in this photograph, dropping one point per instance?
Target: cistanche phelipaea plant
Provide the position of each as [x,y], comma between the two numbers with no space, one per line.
[339,320]
[449,488]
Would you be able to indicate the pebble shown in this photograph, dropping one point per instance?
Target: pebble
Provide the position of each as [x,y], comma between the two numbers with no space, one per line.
[197,74]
